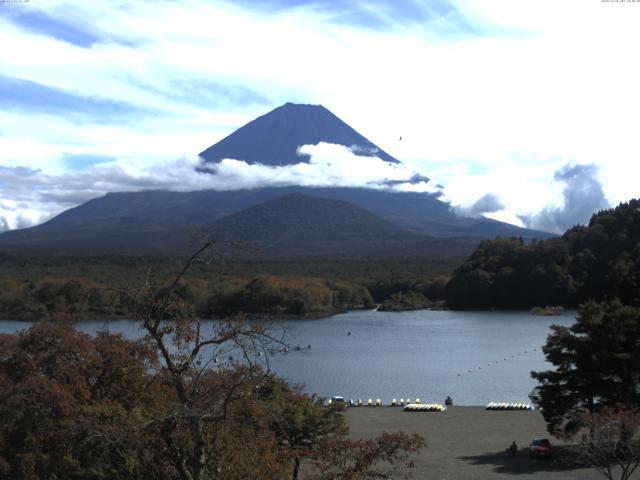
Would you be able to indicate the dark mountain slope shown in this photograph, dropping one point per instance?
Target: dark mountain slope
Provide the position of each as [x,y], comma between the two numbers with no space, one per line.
[300,226]
[418,212]
[293,226]
[121,235]
[274,138]
[296,215]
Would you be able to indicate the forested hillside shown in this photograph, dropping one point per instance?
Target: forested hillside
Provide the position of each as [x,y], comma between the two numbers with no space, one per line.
[593,262]
[82,287]
[265,295]
[81,298]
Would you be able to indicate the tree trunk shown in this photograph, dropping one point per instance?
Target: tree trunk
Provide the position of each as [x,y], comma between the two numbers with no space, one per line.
[296,468]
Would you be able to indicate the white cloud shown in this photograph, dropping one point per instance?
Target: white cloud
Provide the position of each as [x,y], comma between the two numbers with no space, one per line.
[32,196]
[582,196]
[329,165]
[488,203]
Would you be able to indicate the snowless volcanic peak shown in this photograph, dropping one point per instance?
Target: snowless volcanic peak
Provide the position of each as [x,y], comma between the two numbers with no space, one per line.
[274,138]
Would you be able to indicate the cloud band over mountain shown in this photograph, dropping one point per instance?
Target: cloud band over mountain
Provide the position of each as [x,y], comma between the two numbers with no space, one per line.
[31,196]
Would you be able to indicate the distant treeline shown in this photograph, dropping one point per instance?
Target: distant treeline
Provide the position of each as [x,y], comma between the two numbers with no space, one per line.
[120,268]
[594,262]
[408,294]
[86,287]
[219,297]
[265,295]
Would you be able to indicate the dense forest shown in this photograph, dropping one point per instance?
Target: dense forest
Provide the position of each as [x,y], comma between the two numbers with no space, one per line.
[87,287]
[81,298]
[594,262]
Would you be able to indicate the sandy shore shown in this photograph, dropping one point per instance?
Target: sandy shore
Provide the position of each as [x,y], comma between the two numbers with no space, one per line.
[467,443]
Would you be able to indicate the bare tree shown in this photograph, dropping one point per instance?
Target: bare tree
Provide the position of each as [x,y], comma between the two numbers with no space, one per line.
[188,352]
[213,401]
[610,442]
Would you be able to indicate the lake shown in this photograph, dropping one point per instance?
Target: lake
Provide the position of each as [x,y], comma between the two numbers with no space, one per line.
[475,357]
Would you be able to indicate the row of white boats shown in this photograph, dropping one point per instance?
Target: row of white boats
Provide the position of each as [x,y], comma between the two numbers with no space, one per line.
[509,406]
[418,406]
[425,407]
[378,402]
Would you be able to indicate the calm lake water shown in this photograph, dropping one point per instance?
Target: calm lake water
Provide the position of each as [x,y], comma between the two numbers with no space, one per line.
[476,357]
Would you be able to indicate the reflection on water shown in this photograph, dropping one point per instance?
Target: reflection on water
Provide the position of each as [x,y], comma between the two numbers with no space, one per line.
[476,357]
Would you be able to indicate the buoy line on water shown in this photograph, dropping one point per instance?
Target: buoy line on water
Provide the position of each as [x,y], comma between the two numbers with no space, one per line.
[498,362]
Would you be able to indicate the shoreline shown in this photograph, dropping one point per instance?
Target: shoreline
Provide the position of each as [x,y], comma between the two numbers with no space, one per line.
[263,318]
[311,316]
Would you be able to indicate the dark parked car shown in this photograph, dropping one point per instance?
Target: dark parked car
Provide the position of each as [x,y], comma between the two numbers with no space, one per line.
[540,448]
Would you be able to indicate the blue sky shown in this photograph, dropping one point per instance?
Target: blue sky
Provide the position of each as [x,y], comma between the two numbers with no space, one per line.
[439,16]
[33,98]
[514,106]
[36,21]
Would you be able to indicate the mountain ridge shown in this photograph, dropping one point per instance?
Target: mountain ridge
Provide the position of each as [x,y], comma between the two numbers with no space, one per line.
[415,211]
[162,221]
[296,125]
[292,226]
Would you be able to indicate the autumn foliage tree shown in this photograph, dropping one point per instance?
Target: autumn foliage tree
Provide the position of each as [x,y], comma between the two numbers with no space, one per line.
[188,401]
[610,442]
[387,456]
[74,406]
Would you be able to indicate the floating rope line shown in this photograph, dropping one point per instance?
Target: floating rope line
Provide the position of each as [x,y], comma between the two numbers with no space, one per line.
[497,362]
